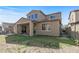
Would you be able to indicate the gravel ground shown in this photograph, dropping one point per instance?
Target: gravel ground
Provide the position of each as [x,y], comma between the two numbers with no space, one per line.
[11,48]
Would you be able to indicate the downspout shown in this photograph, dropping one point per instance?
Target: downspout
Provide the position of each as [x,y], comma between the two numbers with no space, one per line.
[75,25]
[75,30]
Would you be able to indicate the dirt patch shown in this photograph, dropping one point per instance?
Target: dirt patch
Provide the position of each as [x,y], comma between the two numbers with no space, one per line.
[12,48]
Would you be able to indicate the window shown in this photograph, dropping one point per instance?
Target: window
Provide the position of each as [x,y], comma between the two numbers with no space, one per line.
[43,26]
[46,27]
[28,17]
[35,16]
[32,16]
[52,17]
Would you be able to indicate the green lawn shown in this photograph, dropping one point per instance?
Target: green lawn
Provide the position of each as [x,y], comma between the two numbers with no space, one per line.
[40,41]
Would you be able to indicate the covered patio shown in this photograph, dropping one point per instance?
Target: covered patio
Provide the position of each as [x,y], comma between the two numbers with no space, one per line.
[24,26]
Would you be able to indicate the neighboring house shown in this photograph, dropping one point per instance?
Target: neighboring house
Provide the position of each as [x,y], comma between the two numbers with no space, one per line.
[74,23]
[7,27]
[0,29]
[37,23]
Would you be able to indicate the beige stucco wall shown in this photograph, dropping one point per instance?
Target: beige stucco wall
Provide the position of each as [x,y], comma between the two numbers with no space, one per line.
[77,31]
[55,28]
[73,31]
[77,16]
[72,17]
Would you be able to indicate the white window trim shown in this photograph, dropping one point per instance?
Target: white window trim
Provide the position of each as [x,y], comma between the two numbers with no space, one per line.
[47,27]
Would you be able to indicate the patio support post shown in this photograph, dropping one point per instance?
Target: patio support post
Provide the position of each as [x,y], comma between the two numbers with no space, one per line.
[31,29]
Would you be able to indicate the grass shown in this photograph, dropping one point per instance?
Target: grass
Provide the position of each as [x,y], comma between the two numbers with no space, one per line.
[40,41]
[16,39]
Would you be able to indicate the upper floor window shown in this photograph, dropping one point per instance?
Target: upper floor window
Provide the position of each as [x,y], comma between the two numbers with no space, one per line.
[33,16]
[52,17]
[29,17]
[36,16]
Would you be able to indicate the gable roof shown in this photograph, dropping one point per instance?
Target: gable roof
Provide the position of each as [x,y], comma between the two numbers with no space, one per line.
[22,19]
[46,16]
[55,13]
[46,19]
[36,11]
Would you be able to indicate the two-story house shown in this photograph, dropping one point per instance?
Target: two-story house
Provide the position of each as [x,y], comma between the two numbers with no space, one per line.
[38,23]
[74,23]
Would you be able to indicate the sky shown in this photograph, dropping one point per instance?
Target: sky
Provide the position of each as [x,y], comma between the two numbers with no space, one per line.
[11,14]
